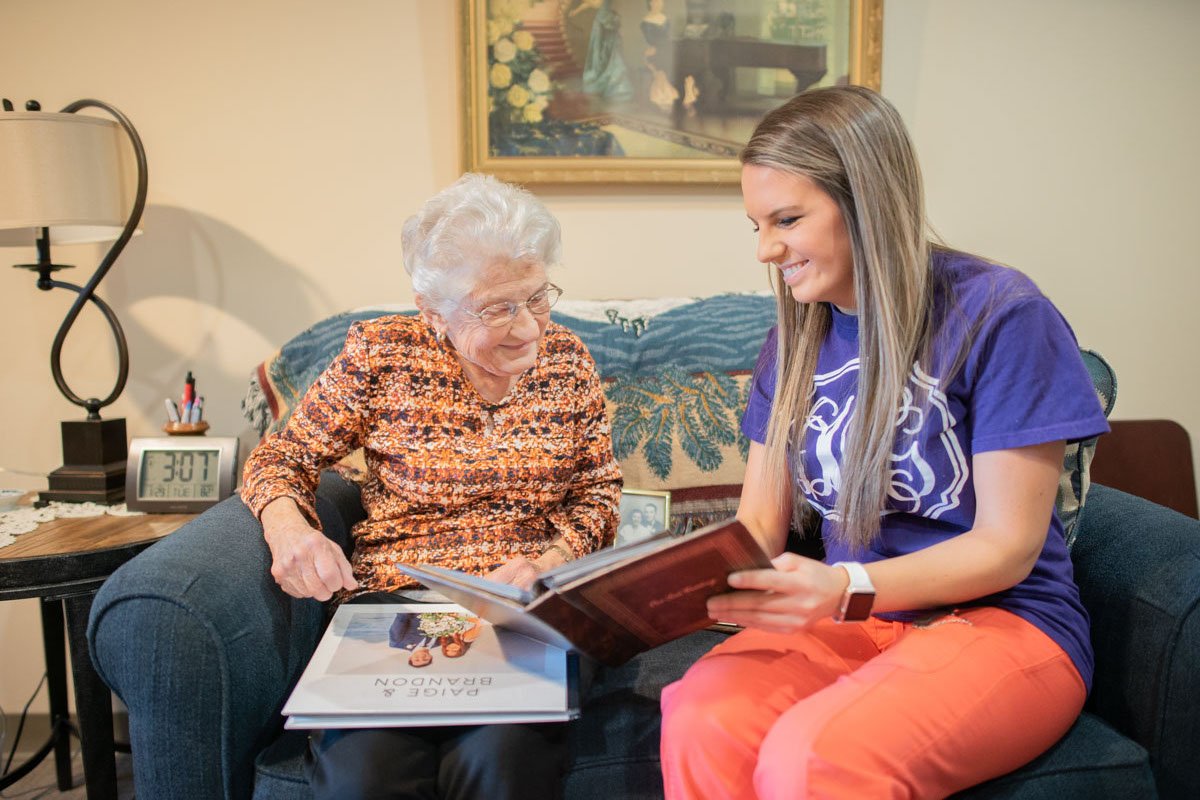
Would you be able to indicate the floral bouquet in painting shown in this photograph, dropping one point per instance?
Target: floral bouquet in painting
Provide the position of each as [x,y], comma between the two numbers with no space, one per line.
[518,88]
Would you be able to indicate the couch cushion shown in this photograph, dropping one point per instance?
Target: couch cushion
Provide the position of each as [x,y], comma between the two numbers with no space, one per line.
[1091,760]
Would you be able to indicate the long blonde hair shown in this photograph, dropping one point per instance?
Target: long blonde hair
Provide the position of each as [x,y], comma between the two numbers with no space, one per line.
[853,144]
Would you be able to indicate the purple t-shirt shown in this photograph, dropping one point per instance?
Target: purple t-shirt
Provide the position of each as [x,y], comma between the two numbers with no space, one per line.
[1022,383]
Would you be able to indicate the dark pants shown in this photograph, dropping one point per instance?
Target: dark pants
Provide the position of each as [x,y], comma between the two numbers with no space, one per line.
[479,761]
[467,762]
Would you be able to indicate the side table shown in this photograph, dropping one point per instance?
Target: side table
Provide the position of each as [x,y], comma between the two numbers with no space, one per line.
[63,563]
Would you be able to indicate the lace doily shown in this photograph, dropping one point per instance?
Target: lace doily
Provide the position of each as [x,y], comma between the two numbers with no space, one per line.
[23,520]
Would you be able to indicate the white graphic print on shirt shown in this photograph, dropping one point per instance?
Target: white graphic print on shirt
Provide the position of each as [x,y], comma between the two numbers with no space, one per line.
[927,477]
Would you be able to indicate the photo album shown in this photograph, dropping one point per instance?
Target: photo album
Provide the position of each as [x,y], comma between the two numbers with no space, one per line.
[617,602]
[500,654]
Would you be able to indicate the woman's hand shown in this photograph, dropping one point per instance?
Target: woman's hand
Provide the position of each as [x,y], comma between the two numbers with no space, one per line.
[303,561]
[522,572]
[518,571]
[794,595]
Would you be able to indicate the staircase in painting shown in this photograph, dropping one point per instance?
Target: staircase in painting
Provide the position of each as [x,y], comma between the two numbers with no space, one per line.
[553,46]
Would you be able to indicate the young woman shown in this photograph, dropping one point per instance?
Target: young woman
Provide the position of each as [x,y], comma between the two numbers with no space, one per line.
[917,400]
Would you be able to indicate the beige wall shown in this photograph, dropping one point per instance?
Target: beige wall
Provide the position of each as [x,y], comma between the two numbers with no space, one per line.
[288,139]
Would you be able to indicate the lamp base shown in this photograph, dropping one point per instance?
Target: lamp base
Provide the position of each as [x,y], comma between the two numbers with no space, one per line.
[93,469]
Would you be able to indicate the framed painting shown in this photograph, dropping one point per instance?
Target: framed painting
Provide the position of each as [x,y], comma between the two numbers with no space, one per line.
[643,513]
[645,91]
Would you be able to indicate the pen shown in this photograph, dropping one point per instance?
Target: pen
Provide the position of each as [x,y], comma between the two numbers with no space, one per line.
[197,410]
[189,389]
[172,411]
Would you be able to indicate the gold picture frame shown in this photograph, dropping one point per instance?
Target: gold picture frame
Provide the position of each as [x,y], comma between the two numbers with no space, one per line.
[635,523]
[550,94]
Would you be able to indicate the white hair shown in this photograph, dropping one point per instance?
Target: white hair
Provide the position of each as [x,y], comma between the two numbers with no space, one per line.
[470,225]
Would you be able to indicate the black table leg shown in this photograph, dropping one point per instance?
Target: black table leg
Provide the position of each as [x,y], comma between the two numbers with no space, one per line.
[56,687]
[93,705]
[59,741]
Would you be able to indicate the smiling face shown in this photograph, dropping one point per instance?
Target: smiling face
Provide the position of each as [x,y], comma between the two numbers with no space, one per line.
[801,233]
[505,351]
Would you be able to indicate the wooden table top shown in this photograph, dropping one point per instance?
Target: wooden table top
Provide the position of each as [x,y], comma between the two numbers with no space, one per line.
[74,535]
[72,555]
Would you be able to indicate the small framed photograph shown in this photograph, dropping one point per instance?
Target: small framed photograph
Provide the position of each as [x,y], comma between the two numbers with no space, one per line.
[643,514]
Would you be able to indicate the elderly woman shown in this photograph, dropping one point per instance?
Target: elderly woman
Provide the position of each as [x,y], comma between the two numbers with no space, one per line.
[488,450]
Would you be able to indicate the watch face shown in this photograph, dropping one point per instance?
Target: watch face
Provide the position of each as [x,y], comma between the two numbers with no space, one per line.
[190,474]
[858,606]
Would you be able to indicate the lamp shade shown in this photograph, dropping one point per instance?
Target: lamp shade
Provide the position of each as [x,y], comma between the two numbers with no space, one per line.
[66,172]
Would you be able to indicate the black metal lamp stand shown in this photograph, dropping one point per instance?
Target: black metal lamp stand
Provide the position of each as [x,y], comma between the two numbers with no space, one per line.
[94,449]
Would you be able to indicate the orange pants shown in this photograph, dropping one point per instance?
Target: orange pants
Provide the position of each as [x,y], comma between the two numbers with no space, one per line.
[873,709]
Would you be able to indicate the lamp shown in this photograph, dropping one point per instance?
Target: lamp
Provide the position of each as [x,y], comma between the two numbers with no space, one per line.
[63,179]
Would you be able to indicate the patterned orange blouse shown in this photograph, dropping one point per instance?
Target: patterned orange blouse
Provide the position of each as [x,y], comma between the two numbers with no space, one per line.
[453,480]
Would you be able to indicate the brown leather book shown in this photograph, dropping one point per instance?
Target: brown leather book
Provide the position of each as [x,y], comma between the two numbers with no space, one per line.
[615,603]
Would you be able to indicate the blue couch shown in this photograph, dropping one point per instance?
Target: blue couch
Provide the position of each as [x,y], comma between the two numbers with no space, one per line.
[202,646]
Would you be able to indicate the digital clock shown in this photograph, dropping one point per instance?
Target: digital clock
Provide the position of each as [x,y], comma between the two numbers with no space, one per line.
[174,474]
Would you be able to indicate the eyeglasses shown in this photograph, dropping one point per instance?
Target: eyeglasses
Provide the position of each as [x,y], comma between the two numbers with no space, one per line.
[499,314]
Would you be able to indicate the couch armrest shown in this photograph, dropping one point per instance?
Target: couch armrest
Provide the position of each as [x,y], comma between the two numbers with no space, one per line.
[202,646]
[1138,569]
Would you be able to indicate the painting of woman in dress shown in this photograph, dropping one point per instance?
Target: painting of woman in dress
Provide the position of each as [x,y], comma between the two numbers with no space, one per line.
[659,55]
[604,72]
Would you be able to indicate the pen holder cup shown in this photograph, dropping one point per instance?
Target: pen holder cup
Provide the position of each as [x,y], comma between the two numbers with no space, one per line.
[185,428]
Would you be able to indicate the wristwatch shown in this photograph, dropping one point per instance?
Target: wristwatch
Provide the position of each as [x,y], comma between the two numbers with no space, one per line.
[860,594]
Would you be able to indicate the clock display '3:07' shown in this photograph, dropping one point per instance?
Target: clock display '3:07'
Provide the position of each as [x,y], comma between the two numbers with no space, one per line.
[179,474]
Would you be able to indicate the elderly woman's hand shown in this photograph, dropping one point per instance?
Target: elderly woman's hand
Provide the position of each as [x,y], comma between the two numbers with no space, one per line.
[522,572]
[518,571]
[303,561]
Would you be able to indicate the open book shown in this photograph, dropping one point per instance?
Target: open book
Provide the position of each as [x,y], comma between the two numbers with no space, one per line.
[420,664]
[614,603]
